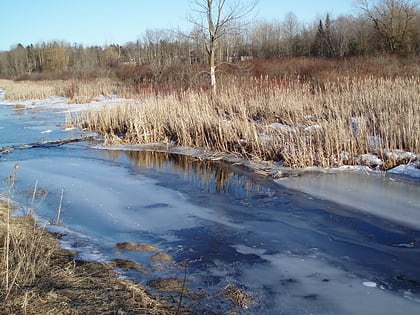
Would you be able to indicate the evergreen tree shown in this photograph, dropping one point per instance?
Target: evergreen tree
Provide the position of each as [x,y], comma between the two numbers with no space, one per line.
[318,49]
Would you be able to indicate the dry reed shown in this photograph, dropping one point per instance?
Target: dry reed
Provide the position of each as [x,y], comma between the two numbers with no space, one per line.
[298,123]
[77,91]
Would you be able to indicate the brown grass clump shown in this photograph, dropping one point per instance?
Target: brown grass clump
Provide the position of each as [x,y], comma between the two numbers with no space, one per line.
[137,247]
[161,257]
[302,124]
[37,277]
[238,297]
[173,285]
[126,264]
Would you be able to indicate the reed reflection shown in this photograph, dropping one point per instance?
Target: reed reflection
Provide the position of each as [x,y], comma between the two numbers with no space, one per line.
[214,177]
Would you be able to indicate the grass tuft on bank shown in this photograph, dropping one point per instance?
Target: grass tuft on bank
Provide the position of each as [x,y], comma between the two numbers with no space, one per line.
[37,277]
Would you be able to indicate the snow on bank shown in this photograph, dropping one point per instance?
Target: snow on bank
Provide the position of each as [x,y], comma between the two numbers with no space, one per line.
[410,170]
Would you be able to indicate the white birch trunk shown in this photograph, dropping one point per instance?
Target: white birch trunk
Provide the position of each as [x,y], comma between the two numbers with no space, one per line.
[213,78]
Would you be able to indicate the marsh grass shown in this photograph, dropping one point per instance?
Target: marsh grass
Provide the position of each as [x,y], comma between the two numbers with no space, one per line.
[76,90]
[297,122]
[29,251]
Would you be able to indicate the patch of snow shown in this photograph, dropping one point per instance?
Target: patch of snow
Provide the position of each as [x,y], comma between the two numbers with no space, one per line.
[369,284]
[369,159]
[410,170]
[39,103]
[86,248]
[282,127]
[265,137]
[312,128]
[345,156]
[400,155]
[60,102]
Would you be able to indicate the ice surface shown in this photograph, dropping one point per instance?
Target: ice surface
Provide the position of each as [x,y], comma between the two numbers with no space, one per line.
[65,105]
[308,284]
[109,199]
[371,193]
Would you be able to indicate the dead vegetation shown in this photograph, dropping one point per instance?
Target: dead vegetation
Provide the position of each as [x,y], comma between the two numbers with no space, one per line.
[301,111]
[161,257]
[37,277]
[75,90]
[302,124]
[238,296]
[173,285]
[136,247]
[126,264]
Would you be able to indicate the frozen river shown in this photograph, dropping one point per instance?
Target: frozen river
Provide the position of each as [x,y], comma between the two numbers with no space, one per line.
[310,244]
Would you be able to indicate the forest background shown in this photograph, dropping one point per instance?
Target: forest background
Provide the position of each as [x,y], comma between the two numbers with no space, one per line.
[167,59]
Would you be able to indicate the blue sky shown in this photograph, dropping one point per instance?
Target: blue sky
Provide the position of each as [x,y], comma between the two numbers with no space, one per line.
[101,22]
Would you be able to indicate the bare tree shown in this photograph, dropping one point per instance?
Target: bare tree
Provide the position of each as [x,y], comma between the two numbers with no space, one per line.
[345,31]
[162,51]
[215,19]
[266,37]
[394,22]
[291,27]
[55,57]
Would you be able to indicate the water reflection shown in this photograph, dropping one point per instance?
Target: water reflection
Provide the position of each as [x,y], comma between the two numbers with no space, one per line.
[211,176]
[243,198]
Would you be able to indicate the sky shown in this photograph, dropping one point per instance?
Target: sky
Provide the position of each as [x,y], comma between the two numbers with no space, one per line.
[104,22]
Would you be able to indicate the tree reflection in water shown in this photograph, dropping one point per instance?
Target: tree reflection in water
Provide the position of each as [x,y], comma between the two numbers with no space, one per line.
[212,176]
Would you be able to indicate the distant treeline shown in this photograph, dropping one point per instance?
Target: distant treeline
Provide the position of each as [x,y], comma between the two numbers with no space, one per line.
[394,30]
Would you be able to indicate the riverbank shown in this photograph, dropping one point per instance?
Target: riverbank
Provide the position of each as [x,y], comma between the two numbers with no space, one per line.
[38,277]
[370,121]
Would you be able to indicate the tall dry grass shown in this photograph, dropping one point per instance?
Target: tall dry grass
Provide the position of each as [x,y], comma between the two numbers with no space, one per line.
[287,120]
[77,91]
[37,277]
[26,252]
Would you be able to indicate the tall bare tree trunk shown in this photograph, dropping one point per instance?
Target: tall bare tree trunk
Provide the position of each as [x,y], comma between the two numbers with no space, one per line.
[212,64]
[211,45]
